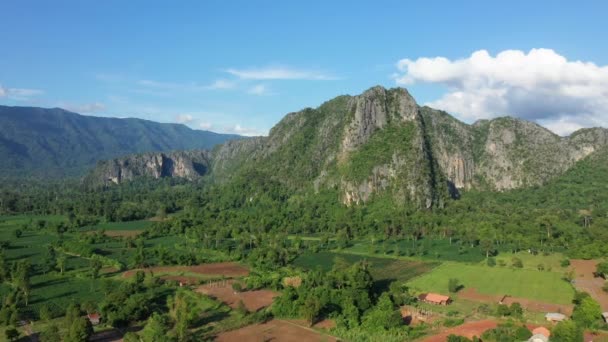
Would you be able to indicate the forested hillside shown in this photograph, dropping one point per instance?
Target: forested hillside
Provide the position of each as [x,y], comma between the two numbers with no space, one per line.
[53,143]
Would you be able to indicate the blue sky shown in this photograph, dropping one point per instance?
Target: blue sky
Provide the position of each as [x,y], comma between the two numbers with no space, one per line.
[240,66]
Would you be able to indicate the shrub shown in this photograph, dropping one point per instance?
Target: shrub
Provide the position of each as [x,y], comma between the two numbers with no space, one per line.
[454,285]
[516,262]
[491,262]
[565,263]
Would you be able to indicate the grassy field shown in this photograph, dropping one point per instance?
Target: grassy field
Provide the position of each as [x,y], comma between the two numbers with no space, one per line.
[543,286]
[381,268]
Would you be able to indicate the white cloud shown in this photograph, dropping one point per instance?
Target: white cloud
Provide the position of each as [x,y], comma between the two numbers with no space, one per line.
[184,118]
[85,108]
[540,85]
[19,94]
[279,73]
[246,131]
[258,89]
[205,125]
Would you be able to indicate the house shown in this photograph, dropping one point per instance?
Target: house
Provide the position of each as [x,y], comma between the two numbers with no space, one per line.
[434,298]
[94,318]
[555,317]
[542,331]
[605,315]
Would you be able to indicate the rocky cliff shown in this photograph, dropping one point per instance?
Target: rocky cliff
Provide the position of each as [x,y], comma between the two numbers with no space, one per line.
[181,164]
[381,143]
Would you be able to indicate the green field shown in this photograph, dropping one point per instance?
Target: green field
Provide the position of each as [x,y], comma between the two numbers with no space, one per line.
[381,268]
[543,286]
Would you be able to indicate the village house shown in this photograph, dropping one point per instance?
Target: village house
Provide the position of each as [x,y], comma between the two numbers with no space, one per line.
[434,298]
[94,318]
[605,315]
[555,317]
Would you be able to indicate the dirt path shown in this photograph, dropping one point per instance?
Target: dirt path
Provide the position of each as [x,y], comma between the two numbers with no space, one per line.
[585,281]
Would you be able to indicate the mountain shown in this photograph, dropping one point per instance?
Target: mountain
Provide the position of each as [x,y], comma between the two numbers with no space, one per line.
[56,143]
[382,143]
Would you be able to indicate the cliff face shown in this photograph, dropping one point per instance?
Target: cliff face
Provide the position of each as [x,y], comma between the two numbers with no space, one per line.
[381,143]
[182,164]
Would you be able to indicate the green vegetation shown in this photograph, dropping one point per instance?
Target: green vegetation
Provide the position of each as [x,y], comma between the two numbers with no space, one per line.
[542,286]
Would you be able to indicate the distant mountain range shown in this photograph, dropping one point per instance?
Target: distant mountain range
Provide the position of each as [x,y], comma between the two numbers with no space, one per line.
[381,143]
[53,143]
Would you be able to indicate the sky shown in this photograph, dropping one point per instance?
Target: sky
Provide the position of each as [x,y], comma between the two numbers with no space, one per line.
[240,66]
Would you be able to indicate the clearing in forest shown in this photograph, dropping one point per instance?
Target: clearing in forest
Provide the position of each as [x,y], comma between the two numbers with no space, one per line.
[587,282]
[543,286]
[253,300]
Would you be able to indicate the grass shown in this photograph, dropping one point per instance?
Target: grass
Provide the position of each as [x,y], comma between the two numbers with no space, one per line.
[543,286]
[381,268]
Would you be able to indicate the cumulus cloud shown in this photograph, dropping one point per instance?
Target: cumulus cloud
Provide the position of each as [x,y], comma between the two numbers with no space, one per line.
[246,131]
[184,118]
[19,94]
[85,108]
[540,85]
[279,73]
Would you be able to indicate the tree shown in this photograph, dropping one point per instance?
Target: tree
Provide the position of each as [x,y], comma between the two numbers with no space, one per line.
[50,334]
[95,268]
[18,233]
[237,287]
[80,330]
[11,334]
[50,259]
[602,269]
[310,309]
[155,329]
[567,331]
[454,285]
[61,262]
[587,312]
[516,310]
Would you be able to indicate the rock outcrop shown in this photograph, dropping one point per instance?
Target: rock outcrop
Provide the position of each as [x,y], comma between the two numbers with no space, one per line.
[380,143]
[189,165]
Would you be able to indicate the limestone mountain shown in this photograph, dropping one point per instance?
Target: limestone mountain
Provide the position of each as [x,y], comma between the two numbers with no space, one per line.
[55,143]
[382,143]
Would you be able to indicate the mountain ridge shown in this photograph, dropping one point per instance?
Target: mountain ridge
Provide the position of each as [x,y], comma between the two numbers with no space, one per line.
[55,143]
[383,142]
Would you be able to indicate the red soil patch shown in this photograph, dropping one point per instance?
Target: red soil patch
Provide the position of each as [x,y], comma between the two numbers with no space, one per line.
[253,300]
[585,281]
[227,269]
[528,304]
[274,330]
[468,330]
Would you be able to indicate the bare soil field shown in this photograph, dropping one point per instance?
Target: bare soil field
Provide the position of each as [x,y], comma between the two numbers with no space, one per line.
[528,304]
[274,330]
[253,300]
[585,281]
[468,330]
[227,269]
